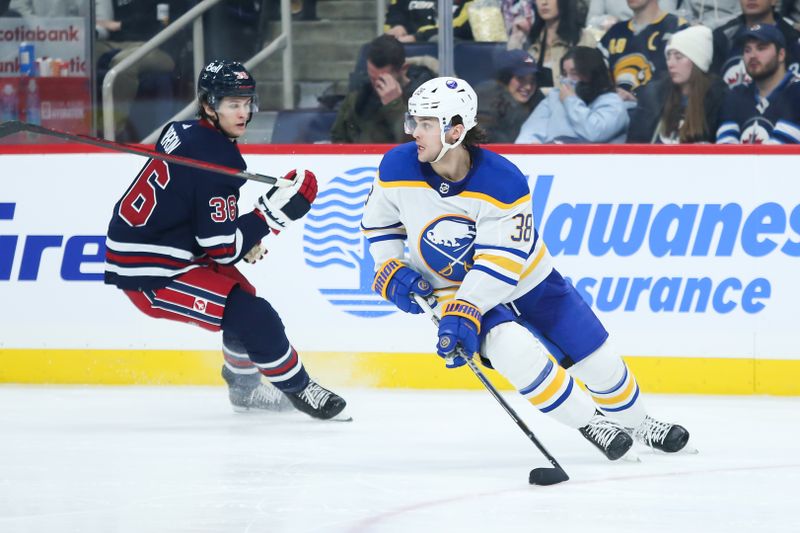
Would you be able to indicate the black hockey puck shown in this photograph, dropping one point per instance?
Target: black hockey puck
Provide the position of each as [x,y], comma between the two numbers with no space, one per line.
[547,476]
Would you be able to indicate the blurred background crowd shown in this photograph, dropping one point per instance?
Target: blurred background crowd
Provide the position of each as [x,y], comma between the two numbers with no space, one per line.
[545,71]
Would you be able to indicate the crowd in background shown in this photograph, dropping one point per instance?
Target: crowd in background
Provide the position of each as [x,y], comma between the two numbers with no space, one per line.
[609,71]
[571,71]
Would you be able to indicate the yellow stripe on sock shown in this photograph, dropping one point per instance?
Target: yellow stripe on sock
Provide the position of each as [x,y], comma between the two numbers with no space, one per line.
[619,398]
[551,390]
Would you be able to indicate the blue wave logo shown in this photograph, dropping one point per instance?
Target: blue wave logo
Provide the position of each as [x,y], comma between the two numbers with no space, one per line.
[333,244]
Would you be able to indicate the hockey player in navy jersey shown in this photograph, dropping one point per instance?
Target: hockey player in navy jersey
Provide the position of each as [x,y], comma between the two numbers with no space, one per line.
[176,234]
[768,109]
[466,218]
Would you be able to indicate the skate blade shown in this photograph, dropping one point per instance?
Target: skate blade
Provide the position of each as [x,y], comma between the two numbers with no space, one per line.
[255,410]
[341,417]
[631,457]
[688,449]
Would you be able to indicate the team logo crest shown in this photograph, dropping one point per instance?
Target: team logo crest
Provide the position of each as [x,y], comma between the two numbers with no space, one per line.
[632,71]
[756,131]
[334,246]
[447,246]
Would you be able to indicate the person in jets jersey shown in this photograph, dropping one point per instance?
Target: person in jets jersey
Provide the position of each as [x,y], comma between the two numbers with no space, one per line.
[176,235]
[465,216]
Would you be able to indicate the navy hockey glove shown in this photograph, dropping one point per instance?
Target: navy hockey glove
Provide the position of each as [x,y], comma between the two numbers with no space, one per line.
[283,205]
[396,282]
[459,326]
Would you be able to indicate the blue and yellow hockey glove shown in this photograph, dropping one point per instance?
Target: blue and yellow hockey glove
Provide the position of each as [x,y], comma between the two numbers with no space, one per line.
[460,325]
[396,282]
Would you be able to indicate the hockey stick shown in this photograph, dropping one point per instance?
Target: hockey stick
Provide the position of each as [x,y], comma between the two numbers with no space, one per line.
[537,476]
[12,127]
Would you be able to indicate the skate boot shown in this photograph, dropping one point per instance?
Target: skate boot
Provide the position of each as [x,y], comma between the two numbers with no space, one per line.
[318,402]
[663,436]
[248,393]
[608,436]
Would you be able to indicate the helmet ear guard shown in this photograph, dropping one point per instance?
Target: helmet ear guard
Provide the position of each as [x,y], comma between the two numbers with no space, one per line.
[444,98]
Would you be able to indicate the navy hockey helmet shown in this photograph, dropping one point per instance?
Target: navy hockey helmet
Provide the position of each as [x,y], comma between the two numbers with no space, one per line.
[222,78]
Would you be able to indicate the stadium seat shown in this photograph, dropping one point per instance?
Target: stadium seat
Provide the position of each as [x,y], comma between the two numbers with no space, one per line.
[474,62]
[303,126]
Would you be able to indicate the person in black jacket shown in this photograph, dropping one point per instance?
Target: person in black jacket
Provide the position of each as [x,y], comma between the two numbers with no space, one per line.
[411,21]
[684,106]
[123,26]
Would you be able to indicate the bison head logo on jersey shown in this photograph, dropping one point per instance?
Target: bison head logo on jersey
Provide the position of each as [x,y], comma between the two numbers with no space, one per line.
[632,71]
[447,246]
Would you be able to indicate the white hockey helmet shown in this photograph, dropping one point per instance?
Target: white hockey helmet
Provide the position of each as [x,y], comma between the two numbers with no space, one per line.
[444,98]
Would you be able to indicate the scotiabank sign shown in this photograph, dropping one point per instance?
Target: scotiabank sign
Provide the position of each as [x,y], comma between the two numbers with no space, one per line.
[62,38]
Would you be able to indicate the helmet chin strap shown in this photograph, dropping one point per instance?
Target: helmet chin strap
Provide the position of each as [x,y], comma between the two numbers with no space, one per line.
[446,147]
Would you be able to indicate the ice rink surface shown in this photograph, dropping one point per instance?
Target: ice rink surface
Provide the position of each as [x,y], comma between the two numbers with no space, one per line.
[177,459]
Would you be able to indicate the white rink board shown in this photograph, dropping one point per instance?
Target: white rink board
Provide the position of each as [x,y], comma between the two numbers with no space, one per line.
[72,195]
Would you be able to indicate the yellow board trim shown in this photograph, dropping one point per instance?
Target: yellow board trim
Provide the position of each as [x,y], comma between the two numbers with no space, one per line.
[385,370]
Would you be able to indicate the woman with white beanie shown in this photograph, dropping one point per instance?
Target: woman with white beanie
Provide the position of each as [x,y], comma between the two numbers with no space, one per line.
[682,107]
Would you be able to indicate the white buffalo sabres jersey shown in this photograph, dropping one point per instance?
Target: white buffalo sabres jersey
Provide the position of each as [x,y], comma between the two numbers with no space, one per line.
[475,236]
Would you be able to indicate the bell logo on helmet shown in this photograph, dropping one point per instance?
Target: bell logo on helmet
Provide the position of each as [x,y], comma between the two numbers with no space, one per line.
[451,84]
[215,68]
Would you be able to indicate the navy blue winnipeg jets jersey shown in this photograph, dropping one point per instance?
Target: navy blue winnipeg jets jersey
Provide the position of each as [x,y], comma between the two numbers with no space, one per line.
[174,218]
[748,118]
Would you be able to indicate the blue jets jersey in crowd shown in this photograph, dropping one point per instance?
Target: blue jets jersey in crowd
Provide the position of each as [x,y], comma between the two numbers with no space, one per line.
[728,47]
[635,58]
[473,239]
[750,119]
[175,218]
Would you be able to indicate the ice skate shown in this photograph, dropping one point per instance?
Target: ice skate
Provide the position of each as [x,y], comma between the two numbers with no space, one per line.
[662,436]
[247,393]
[608,436]
[319,402]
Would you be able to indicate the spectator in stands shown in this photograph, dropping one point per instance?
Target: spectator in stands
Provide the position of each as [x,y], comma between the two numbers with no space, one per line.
[50,8]
[555,30]
[413,21]
[635,48]
[790,10]
[123,26]
[517,12]
[234,29]
[684,106]
[584,109]
[768,109]
[711,13]
[507,101]
[374,113]
[727,60]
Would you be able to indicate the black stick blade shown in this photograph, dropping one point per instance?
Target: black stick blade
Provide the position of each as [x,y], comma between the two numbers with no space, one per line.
[10,128]
[547,476]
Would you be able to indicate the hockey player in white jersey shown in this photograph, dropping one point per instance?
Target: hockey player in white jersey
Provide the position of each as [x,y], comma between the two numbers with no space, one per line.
[465,215]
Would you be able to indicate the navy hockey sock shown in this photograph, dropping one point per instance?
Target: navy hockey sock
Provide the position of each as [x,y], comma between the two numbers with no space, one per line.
[259,328]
